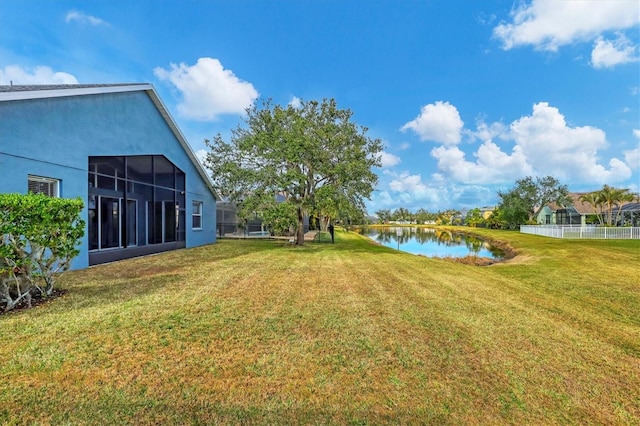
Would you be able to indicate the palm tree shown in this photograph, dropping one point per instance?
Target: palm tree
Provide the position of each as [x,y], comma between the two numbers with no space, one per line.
[593,199]
[612,197]
[625,196]
[474,217]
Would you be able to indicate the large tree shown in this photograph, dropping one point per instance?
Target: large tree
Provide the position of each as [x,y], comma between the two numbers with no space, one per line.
[384,216]
[402,214]
[422,216]
[308,153]
[520,203]
[511,211]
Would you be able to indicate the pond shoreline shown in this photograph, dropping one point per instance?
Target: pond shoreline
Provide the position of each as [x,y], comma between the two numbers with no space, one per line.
[474,260]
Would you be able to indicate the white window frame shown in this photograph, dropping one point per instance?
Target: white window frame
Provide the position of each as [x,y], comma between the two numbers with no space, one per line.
[50,181]
[196,211]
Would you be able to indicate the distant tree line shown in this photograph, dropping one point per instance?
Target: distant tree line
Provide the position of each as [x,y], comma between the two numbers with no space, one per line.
[519,205]
[421,216]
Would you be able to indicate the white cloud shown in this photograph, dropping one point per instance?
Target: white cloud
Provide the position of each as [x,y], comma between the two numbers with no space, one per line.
[74,15]
[569,153]
[439,122]
[608,54]
[39,75]
[389,160]
[208,90]
[547,25]
[632,156]
[381,200]
[409,191]
[492,165]
[439,193]
[408,183]
[201,155]
[295,102]
[543,144]
[487,132]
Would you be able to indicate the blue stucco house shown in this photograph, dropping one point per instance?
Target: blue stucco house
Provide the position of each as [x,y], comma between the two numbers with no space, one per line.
[117,147]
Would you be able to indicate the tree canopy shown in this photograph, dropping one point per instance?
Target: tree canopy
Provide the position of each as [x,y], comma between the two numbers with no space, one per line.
[474,217]
[313,155]
[519,204]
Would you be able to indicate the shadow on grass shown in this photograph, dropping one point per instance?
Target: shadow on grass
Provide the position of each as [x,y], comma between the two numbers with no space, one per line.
[344,242]
[128,279]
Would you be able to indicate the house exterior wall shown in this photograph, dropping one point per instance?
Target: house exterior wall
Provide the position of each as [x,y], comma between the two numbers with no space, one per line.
[546,216]
[559,217]
[54,137]
[487,212]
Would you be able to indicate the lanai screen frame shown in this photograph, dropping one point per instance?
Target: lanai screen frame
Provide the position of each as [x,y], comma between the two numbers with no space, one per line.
[147,191]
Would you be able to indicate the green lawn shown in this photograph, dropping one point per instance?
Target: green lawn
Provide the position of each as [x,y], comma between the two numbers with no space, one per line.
[262,332]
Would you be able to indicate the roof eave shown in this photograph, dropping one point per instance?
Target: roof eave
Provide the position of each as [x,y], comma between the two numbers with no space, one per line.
[76,91]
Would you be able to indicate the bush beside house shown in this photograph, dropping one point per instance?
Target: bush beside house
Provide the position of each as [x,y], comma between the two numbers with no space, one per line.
[39,238]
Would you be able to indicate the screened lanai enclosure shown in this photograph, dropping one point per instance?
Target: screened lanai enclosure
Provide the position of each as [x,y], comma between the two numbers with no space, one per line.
[226,218]
[628,215]
[568,216]
[136,206]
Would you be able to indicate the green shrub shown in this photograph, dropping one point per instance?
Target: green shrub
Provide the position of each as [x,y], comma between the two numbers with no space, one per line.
[39,238]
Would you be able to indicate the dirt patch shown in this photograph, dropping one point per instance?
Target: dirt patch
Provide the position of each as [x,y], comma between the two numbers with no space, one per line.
[36,300]
[471,260]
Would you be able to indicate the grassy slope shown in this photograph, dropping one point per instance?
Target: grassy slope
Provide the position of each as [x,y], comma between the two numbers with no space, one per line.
[262,332]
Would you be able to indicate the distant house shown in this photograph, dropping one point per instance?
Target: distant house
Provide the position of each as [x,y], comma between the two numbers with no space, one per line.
[574,214]
[486,212]
[117,147]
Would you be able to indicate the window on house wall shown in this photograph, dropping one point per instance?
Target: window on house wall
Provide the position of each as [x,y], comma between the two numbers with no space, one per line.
[196,215]
[43,185]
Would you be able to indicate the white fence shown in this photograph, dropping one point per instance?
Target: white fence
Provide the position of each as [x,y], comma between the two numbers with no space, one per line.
[591,232]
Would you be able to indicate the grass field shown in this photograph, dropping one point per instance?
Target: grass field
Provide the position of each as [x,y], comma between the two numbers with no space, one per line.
[262,332]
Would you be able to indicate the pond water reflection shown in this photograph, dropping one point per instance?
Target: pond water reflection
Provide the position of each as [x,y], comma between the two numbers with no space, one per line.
[432,242]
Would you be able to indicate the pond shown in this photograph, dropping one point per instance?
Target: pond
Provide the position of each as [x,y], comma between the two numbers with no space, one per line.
[433,242]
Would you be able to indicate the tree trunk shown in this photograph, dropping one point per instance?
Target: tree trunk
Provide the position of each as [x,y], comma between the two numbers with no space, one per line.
[300,239]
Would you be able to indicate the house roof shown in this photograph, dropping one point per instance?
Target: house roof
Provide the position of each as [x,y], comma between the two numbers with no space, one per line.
[630,207]
[23,92]
[579,206]
[585,208]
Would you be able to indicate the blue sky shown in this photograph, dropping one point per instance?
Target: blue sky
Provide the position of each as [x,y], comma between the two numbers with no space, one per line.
[468,96]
